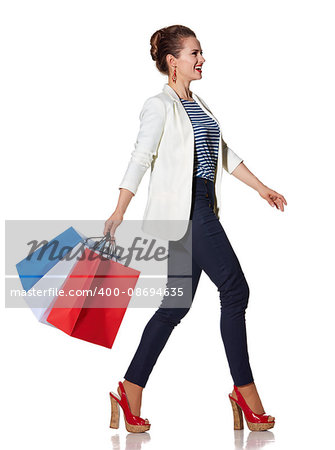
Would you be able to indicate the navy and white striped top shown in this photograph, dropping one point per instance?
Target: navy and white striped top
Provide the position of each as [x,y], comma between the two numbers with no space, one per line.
[206,137]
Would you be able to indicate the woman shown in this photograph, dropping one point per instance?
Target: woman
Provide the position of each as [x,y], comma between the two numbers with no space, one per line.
[175,154]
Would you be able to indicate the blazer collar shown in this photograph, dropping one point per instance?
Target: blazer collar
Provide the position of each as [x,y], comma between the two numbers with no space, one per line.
[172,93]
[168,90]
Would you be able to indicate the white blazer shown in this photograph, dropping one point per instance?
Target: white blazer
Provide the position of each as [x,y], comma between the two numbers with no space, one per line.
[166,143]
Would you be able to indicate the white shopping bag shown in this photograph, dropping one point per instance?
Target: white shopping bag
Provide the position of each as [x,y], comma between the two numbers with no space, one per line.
[52,282]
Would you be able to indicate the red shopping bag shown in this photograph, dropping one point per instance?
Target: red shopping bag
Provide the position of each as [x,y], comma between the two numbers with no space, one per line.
[96,296]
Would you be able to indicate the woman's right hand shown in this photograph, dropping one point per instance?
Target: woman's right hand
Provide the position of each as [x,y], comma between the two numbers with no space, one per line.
[112,223]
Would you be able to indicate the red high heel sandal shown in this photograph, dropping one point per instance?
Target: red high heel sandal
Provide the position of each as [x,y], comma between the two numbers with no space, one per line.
[134,424]
[255,422]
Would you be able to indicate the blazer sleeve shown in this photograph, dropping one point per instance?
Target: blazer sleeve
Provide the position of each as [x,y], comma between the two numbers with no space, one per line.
[230,159]
[152,118]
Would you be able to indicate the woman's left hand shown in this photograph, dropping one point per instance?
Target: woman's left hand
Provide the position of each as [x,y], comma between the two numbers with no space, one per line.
[272,197]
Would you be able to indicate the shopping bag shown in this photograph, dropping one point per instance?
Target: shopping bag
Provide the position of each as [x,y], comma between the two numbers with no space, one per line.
[37,264]
[97,293]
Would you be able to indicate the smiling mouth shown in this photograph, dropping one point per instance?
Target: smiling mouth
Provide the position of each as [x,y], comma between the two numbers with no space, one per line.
[199,69]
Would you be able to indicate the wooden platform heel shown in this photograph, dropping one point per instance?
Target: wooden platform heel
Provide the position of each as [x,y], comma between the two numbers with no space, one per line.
[115,413]
[237,413]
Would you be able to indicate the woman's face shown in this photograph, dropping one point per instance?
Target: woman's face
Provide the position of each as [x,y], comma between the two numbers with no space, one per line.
[189,63]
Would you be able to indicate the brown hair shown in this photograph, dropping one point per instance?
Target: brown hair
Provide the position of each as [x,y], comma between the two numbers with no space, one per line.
[168,40]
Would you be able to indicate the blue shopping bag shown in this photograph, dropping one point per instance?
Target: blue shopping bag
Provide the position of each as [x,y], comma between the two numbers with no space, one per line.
[32,268]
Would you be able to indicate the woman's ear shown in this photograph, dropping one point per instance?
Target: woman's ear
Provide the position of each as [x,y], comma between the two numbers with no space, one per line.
[170,60]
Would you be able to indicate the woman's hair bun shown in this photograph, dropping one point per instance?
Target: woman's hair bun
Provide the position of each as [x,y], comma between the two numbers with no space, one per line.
[154,41]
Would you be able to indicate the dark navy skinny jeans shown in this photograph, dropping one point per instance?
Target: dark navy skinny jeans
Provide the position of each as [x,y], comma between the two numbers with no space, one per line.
[212,253]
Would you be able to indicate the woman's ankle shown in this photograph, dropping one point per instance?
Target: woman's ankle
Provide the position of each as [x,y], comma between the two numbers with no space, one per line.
[134,396]
[131,385]
[252,384]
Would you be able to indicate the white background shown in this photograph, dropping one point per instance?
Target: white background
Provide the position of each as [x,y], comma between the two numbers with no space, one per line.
[74,77]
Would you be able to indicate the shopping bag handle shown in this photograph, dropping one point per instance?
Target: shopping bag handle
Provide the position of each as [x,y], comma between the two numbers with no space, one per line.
[110,253]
